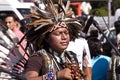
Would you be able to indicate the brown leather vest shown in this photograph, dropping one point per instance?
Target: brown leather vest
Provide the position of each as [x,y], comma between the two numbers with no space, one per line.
[56,65]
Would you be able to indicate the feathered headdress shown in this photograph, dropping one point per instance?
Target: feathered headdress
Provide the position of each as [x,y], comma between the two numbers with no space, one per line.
[45,17]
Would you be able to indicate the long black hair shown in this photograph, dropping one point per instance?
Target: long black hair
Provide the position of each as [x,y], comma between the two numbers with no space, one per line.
[95,47]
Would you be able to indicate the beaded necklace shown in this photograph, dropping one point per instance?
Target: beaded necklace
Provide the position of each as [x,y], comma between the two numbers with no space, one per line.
[51,75]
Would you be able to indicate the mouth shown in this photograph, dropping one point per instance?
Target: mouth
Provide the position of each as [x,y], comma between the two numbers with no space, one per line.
[64,43]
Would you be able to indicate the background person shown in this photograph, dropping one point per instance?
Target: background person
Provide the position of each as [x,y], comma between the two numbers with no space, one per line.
[80,46]
[85,7]
[13,23]
[117,28]
[100,62]
[9,53]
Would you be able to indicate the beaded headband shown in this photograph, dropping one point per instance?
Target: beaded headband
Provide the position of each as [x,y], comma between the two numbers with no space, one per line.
[58,25]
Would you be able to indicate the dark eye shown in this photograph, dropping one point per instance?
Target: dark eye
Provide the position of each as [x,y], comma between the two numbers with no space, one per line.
[57,33]
[66,32]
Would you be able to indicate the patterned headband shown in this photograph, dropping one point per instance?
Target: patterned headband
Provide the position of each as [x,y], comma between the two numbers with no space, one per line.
[58,25]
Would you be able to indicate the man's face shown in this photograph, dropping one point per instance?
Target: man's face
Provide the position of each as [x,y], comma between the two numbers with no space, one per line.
[59,39]
[10,22]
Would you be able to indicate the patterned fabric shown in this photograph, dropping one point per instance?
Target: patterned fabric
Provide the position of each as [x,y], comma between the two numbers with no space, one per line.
[112,72]
[42,62]
[59,25]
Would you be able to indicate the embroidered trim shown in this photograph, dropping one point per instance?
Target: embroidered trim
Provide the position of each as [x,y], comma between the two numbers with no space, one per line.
[58,25]
[51,75]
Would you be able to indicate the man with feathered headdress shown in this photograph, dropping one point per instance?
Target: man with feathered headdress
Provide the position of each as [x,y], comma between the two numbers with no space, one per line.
[51,30]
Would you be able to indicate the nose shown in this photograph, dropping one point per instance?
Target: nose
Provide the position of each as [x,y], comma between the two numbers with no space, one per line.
[7,24]
[64,36]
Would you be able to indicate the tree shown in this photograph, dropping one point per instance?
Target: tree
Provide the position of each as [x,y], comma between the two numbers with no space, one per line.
[101,7]
[115,5]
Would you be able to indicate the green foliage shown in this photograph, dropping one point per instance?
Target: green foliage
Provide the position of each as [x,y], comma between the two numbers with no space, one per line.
[115,4]
[100,11]
[103,5]
[100,8]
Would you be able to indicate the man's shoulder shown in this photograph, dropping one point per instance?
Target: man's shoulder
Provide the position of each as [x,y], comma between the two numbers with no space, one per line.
[35,56]
[81,39]
[105,57]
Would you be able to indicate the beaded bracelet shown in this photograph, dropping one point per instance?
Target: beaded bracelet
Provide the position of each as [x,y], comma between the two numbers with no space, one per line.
[50,76]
